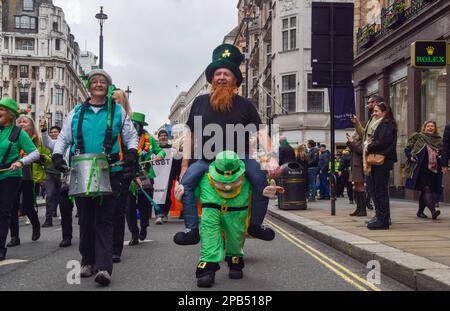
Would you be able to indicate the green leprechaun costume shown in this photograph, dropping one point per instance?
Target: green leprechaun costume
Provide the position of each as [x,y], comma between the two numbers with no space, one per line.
[224,195]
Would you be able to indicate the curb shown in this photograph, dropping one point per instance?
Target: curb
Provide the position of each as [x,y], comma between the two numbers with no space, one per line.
[414,271]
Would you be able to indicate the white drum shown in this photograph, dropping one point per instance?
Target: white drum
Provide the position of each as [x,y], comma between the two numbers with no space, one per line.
[89,176]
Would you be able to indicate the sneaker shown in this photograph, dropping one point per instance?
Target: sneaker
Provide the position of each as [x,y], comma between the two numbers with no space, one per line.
[87,271]
[159,221]
[27,221]
[134,240]
[436,215]
[103,278]
[165,219]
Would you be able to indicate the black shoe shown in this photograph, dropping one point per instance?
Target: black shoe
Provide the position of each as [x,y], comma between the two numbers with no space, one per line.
[65,243]
[235,274]
[14,242]
[3,253]
[36,234]
[378,225]
[436,215]
[206,280]
[260,232]
[47,224]
[188,237]
[373,219]
[143,234]
[422,215]
[103,278]
[54,215]
[115,258]
[134,240]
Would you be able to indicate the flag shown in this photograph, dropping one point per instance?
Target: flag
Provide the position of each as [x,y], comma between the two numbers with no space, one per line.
[344,107]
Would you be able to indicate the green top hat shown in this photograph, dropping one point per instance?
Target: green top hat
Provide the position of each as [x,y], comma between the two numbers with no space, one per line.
[226,56]
[10,104]
[139,118]
[227,168]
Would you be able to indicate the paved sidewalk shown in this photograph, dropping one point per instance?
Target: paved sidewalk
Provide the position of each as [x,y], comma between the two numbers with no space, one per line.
[414,251]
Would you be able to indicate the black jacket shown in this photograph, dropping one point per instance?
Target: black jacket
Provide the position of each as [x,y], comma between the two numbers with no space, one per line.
[286,154]
[313,157]
[384,141]
[446,149]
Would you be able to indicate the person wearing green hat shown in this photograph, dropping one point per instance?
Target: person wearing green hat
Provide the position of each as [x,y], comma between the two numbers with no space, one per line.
[12,141]
[94,127]
[224,194]
[225,111]
[137,200]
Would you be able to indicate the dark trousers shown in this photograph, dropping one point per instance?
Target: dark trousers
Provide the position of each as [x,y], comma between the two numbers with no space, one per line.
[66,209]
[165,208]
[8,192]
[120,209]
[26,192]
[380,183]
[324,185]
[53,189]
[141,203]
[96,228]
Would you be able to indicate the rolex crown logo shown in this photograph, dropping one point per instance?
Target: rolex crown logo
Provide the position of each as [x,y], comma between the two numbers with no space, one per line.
[430,51]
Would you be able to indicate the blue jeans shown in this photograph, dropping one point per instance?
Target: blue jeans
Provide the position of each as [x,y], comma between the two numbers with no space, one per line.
[312,178]
[324,185]
[195,173]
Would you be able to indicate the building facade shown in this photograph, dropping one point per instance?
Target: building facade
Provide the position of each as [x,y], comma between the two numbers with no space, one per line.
[88,61]
[384,34]
[40,59]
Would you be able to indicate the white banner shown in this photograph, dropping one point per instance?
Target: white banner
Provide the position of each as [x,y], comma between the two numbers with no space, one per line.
[162,171]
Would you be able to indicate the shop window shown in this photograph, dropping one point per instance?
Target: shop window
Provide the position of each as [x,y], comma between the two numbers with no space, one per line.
[399,104]
[434,93]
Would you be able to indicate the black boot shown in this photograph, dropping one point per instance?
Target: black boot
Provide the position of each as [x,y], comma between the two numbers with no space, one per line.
[65,243]
[188,237]
[14,242]
[260,232]
[143,234]
[3,253]
[236,264]
[361,202]
[382,223]
[134,240]
[206,274]
[36,233]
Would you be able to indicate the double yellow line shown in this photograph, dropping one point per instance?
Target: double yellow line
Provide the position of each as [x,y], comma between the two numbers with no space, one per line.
[329,263]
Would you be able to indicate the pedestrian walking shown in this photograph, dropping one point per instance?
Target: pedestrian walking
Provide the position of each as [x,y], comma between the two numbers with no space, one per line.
[12,141]
[381,156]
[313,169]
[142,187]
[33,175]
[345,172]
[93,128]
[357,174]
[423,166]
[53,177]
[324,165]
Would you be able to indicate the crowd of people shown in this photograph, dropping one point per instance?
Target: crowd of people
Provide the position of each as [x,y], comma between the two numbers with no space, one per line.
[363,167]
[103,134]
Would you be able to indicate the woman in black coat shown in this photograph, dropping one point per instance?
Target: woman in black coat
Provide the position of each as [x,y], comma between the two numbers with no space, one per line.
[384,142]
[423,167]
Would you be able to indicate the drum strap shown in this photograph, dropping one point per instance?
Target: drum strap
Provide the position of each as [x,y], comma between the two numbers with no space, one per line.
[80,142]
[13,137]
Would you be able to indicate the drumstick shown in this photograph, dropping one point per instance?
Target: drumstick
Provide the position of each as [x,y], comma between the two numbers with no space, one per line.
[122,163]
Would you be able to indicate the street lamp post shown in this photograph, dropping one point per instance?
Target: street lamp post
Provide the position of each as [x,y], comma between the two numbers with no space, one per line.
[248,7]
[102,17]
[49,116]
[128,91]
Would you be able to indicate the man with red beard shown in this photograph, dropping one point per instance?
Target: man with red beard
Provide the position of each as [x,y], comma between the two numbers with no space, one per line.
[222,121]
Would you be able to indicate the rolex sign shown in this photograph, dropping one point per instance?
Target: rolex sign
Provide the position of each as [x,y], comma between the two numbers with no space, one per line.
[429,54]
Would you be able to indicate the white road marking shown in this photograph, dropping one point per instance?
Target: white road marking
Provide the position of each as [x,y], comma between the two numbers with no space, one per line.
[11,262]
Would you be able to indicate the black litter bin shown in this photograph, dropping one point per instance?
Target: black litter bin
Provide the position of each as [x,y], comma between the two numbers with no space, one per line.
[293,179]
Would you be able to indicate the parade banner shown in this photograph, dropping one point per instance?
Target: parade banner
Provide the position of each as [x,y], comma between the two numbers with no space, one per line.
[344,107]
[162,171]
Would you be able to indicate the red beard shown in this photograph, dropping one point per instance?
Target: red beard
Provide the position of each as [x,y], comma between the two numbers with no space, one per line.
[222,96]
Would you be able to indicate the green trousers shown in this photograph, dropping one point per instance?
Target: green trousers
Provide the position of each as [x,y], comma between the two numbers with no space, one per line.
[213,223]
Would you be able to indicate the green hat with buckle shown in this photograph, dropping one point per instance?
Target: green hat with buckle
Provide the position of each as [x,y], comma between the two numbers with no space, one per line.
[227,168]
[11,105]
[139,118]
[226,56]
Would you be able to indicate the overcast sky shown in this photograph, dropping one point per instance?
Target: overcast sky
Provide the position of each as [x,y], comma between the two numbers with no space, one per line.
[153,46]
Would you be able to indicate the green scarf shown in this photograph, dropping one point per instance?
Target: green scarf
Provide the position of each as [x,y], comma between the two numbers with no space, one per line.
[416,143]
